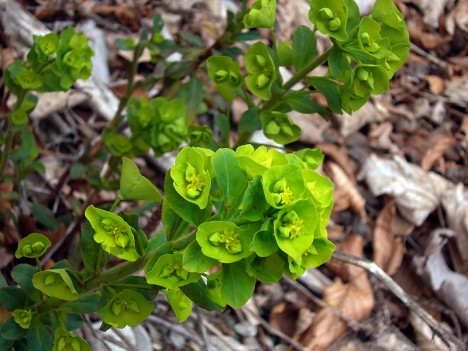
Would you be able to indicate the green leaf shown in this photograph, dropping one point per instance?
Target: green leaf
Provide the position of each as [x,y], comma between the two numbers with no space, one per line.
[134,186]
[85,304]
[330,90]
[266,269]
[23,274]
[199,293]
[237,285]
[222,122]
[44,216]
[189,211]
[195,261]
[303,103]
[264,243]
[39,339]
[138,284]
[339,65]
[90,250]
[33,246]
[180,303]
[231,180]
[250,121]
[10,330]
[6,344]
[12,298]
[304,46]
[174,225]
[254,204]
[3,282]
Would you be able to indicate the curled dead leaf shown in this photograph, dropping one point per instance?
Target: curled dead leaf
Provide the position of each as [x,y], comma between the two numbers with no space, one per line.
[341,181]
[436,151]
[436,84]
[388,248]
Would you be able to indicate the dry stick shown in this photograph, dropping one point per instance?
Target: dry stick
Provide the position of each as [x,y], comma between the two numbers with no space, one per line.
[124,339]
[275,331]
[450,340]
[433,59]
[175,328]
[201,325]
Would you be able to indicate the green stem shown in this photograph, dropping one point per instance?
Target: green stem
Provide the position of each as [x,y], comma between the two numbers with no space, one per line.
[296,78]
[130,85]
[115,204]
[10,135]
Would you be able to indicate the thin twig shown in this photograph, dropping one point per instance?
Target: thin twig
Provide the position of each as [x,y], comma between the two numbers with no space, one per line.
[450,340]
[175,328]
[275,331]
[124,339]
[433,59]
[202,328]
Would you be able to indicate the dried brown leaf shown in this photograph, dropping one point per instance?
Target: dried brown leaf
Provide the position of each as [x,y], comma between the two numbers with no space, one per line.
[436,84]
[339,155]
[436,151]
[341,181]
[352,301]
[388,248]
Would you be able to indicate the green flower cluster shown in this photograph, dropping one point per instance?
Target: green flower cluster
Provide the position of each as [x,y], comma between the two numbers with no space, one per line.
[53,64]
[273,209]
[368,50]
[158,123]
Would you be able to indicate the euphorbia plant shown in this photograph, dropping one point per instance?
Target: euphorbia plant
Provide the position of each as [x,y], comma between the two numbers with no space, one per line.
[230,217]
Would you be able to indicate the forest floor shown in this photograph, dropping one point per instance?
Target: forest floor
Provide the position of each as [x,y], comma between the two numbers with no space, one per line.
[399,166]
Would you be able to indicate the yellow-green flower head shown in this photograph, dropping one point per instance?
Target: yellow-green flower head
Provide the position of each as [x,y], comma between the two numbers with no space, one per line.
[261,15]
[55,283]
[22,318]
[283,186]
[48,43]
[370,40]
[330,17]
[312,158]
[257,161]
[28,79]
[261,71]
[168,272]
[224,241]
[113,233]
[279,127]
[191,176]
[170,127]
[67,341]
[294,228]
[32,246]
[128,307]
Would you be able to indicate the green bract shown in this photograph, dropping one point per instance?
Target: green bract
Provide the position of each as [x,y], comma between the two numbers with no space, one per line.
[294,228]
[113,233]
[226,74]
[312,158]
[170,127]
[28,79]
[261,15]
[330,17]
[279,127]
[128,307]
[134,186]
[67,341]
[168,271]
[224,241]
[370,40]
[55,283]
[257,161]
[191,177]
[180,303]
[23,318]
[32,246]
[261,69]
[283,186]
[73,58]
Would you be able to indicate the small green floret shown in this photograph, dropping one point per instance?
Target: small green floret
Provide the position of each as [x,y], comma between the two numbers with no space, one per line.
[261,15]
[279,127]
[32,246]
[113,233]
[330,17]
[283,186]
[261,69]
[22,318]
[55,283]
[168,271]
[128,307]
[67,341]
